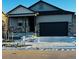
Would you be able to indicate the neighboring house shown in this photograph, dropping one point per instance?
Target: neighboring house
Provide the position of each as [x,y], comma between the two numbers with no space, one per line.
[41,18]
[4,25]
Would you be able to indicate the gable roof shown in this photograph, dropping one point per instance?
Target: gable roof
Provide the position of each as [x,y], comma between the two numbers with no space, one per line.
[45,3]
[59,11]
[18,7]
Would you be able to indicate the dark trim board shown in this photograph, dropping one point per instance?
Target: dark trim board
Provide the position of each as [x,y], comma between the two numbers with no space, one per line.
[53,29]
[21,14]
[59,12]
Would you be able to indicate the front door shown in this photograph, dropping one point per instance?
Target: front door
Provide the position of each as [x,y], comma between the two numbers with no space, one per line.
[31,22]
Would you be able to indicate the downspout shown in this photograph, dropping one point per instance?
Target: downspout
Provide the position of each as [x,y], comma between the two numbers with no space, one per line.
[73,23]
[8,28]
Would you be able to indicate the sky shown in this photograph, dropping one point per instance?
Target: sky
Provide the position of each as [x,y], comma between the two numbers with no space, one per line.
[69,5]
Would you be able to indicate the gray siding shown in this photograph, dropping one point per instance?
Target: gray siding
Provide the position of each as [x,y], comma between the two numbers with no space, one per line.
[54,18]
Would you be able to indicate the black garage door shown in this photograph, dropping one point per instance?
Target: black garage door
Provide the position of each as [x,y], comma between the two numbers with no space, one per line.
[53,29]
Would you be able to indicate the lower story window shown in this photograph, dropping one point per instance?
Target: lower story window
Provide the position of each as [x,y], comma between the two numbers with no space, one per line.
[20,24]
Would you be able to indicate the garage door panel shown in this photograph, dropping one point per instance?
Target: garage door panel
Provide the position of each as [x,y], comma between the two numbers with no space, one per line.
[54,29]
